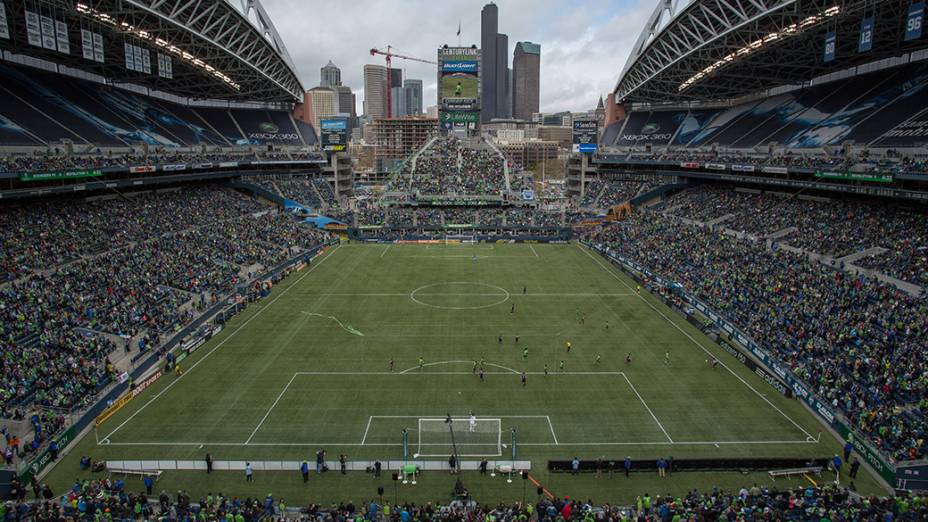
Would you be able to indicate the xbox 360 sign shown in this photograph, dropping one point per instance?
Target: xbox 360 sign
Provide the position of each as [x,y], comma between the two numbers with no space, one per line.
[333,133]
[585,135]
[269,131]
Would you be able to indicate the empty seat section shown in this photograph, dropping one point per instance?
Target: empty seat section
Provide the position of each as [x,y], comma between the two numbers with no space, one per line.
[32,86]
[19,116]
[783,115]
[751,120]
[221,122]
[718,124]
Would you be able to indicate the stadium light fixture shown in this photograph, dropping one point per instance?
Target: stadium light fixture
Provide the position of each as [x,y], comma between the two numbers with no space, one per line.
[183,55]
[790,30]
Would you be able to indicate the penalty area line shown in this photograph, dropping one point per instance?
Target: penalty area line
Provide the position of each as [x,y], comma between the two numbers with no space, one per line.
[221,343]
[697,343]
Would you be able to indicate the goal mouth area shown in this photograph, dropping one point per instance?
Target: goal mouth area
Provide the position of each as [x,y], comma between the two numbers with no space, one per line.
[435,438]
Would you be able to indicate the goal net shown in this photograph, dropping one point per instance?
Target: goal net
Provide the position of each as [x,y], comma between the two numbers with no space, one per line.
[483,439]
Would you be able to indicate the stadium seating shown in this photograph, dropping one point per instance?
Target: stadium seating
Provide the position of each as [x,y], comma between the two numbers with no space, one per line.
[864,110]
[857,342]
[113,496]
[80,272]
[39,108]
[448,167]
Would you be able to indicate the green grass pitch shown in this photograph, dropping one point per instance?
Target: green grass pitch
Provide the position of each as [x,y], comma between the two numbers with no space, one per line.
[308,368]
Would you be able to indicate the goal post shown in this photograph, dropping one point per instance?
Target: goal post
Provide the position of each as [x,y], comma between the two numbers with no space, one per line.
[459,239]
[483,439]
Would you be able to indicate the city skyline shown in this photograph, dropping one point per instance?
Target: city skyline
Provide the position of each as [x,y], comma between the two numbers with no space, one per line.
[585,42]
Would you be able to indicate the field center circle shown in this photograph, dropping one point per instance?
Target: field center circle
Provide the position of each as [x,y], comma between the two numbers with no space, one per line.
[496,294]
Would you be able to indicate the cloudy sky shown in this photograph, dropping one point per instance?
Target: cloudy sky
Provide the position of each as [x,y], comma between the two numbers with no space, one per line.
[584,43]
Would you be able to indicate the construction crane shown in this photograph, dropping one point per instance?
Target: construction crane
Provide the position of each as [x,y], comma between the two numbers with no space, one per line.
[389,54]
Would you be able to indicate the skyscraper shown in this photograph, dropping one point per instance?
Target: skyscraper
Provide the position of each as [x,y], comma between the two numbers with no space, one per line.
[323,103]
[503,101]
[413,90]
[489,26]
[526,80]
[330,75]
[494,75]
[375,91]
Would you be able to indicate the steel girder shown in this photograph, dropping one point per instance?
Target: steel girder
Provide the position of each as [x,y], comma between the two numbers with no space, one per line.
[707,31]
[248,52]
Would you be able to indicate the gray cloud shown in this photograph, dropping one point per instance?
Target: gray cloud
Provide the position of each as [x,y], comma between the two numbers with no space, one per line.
[584,42]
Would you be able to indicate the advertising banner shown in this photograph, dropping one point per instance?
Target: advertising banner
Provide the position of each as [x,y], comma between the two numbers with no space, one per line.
[866,453]
[856,176]
[742,168]
[143,169]
[333,134]
[459,117]
[53,176]
[689,165]
[112,409]
[775,170]
[585,134]
[716,166]
[45,458]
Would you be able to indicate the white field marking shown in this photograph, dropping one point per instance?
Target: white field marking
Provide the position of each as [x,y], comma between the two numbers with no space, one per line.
[364,438]
[268,412]
[455,256]
[401,294]
[697,343]
[552,430]
[533,250]
[543,444]
[348,328]
[505,295]
[659,425]
[224,341]
[501,367]
[385,250]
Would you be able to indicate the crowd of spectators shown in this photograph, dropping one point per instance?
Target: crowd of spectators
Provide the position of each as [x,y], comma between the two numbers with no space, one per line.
[892,162]
[108,499]
[132,265]
[98,160]
[858,343]
[448,167]
[832,227]
[520,217]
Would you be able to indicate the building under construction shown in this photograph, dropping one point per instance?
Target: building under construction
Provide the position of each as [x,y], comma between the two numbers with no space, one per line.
[396,138]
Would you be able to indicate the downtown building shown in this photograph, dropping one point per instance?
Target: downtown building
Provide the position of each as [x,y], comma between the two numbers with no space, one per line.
[495,75]
[526,80]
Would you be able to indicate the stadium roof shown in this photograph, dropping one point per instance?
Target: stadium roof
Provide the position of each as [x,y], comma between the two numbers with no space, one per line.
[220,49]
[698,50]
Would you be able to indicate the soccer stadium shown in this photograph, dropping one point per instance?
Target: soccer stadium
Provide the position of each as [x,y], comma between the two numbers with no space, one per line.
[210,310]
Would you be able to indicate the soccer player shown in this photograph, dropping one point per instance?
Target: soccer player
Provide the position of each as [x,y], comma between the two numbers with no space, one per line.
[524,288]
[525,354]
[607,325]
[482,378]
[517,339]
[421,361]
[638,289]
[472,423]
[562,365]
[546,369]
[667,358]
[513,309]
[628,358]
[715,363]
[568,346]
[391,364]
[599,358]
[523,378]
[500,339]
